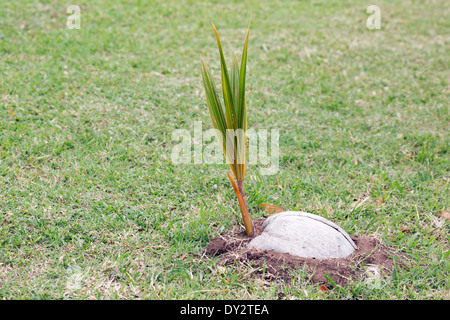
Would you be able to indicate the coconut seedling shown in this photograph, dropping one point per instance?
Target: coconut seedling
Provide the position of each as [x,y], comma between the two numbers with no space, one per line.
[230,120]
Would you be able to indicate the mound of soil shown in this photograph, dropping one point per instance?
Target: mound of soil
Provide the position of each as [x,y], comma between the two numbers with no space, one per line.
[232,247]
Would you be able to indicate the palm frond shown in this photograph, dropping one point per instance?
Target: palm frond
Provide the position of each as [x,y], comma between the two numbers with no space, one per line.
[231,119]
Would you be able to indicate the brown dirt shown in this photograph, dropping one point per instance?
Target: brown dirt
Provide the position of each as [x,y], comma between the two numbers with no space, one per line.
[231,247]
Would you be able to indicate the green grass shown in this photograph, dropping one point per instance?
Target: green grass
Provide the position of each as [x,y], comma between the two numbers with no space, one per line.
[91,205]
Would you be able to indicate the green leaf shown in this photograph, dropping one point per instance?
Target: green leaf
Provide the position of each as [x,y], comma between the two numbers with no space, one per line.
[226,87]
[230,121]
[235,86]
[217,115]
[212,99]
[243,71]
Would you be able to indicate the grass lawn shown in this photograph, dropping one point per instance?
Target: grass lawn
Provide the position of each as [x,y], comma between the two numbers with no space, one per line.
[91,205]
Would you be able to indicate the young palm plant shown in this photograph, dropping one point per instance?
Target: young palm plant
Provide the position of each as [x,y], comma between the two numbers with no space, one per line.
[230,123]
